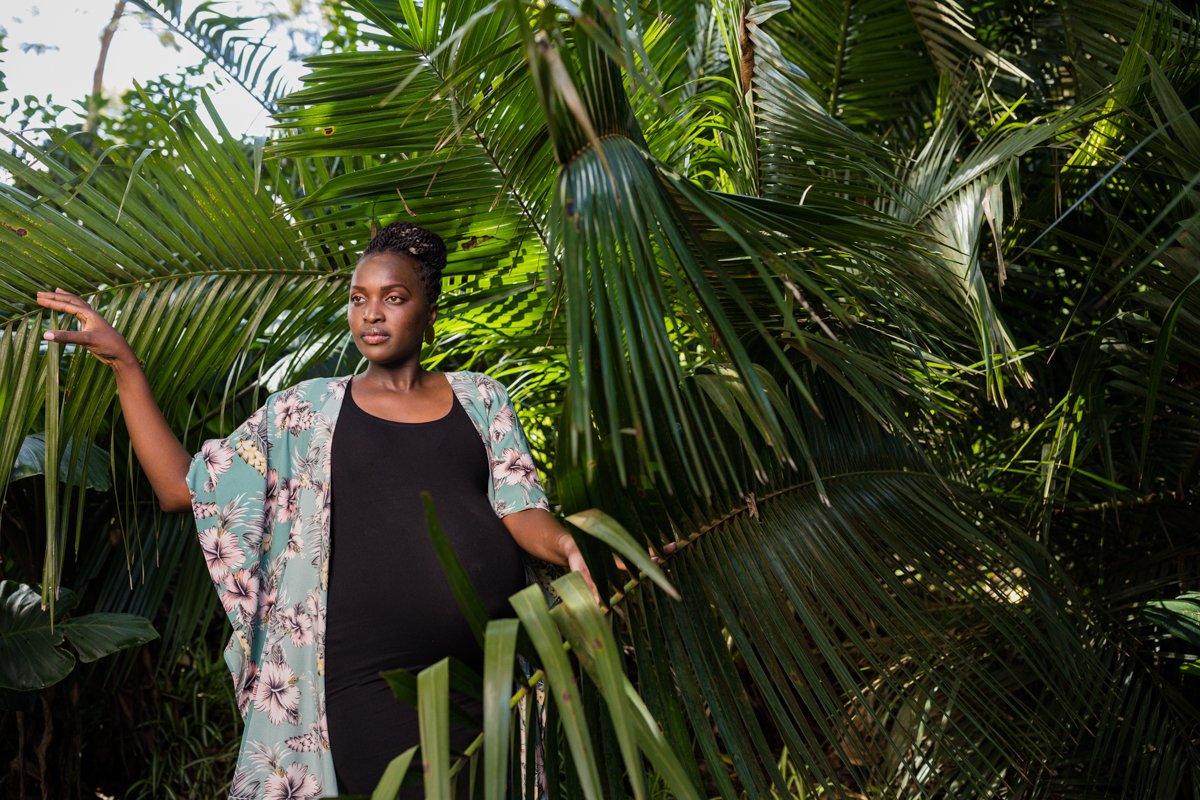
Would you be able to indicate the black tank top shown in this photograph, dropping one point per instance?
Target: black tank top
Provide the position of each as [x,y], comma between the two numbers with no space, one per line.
[390,605]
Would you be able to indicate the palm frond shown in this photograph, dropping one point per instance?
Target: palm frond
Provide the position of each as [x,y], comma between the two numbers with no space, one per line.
[835,610]
[224,40]
[168,252]
[890,629]
[1097,33]
[865,62]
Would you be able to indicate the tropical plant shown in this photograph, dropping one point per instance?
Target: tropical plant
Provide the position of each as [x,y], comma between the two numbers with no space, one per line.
[30,637]
[1180,617]
[224,40]
[197,733]
[735,264]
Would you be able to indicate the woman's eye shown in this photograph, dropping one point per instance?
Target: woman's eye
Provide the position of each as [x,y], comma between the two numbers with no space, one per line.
[395,298]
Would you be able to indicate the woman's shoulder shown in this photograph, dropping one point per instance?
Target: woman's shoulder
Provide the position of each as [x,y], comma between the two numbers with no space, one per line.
[310,394]
[316,389]
[464,383]
[478,380]
[479,394]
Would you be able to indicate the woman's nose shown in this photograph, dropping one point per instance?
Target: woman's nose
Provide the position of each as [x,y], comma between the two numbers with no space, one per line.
[372,311]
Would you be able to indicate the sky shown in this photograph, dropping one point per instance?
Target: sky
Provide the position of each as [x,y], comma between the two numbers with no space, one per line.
[53,46]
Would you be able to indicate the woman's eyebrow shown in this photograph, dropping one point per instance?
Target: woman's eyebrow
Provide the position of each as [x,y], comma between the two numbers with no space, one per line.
[382,288]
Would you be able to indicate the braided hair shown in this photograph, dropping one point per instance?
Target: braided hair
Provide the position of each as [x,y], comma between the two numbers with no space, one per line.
[412,241]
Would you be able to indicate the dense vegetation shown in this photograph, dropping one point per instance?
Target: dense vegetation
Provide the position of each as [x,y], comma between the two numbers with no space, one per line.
[874,319]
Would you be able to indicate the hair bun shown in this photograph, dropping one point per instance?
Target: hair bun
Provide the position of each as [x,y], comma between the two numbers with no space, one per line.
[413,241]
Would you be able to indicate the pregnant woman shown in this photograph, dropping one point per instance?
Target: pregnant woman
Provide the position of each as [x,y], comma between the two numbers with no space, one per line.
[317,543]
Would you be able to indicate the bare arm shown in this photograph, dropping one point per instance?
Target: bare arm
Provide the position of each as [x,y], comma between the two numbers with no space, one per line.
[158,450]
[539,534]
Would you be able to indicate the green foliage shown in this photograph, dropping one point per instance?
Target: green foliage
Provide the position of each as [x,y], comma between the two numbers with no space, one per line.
[223,40]
[136,116]
[3,49]
[30,635]
[198,732]
[874,321]
[31,460]
[1180,617]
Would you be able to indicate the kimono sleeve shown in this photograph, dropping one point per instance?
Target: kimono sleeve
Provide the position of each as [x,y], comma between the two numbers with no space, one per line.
[233,491]
[515,483]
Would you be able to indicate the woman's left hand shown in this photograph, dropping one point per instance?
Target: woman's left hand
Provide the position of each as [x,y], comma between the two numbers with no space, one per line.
[575,561]
[539,534]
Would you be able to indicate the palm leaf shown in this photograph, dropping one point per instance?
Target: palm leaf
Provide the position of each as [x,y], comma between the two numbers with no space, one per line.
[194,254]
[837,612]
[701,234]
[223,40]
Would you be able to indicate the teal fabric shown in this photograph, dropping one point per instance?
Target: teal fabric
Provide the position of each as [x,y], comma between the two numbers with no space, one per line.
[261,498]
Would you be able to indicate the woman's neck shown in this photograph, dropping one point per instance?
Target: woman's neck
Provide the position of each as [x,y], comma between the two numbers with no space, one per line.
[404,377]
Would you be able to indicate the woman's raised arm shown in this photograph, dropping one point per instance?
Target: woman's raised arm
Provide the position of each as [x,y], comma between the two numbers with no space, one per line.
[158,450]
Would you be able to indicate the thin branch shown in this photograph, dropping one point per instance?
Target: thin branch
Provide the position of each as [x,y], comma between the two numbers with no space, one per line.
[840,61]
[93,117]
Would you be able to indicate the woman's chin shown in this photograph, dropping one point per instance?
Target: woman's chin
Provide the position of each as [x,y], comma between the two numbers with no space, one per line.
[388,357]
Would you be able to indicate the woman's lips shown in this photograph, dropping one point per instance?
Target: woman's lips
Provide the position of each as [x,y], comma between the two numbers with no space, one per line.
[374,338]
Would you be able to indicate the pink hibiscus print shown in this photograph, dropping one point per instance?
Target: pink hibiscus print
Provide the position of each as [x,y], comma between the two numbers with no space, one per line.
[514,467]
[289,500]
[221,551]
[266,599]
[502,424]
[246,695]
[294,621]
[278,694]
[292,413]
[241,592]
[218,458]
[294,784]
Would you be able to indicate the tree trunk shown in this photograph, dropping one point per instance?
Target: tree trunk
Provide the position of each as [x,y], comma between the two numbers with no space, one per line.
[93,117]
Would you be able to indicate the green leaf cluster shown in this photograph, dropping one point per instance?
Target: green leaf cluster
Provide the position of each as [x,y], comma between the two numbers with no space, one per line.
[30,635]
[872,321]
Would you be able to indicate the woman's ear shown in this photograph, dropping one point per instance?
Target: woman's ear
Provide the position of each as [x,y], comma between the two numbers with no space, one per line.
[429,327]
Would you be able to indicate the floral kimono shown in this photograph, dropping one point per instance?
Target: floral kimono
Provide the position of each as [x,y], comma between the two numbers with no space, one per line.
[261,498]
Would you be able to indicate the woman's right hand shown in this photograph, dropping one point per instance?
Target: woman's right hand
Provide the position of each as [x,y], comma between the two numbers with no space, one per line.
[162,457]
[100,338]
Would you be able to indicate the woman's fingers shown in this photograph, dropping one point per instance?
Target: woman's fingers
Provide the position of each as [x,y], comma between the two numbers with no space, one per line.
[69,337]
[66,303]
[587,576]
[74,299]
[55,301]
[62,293]
[94,333]
[63,296]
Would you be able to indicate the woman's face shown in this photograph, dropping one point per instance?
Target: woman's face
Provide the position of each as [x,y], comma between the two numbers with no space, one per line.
[387,310]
